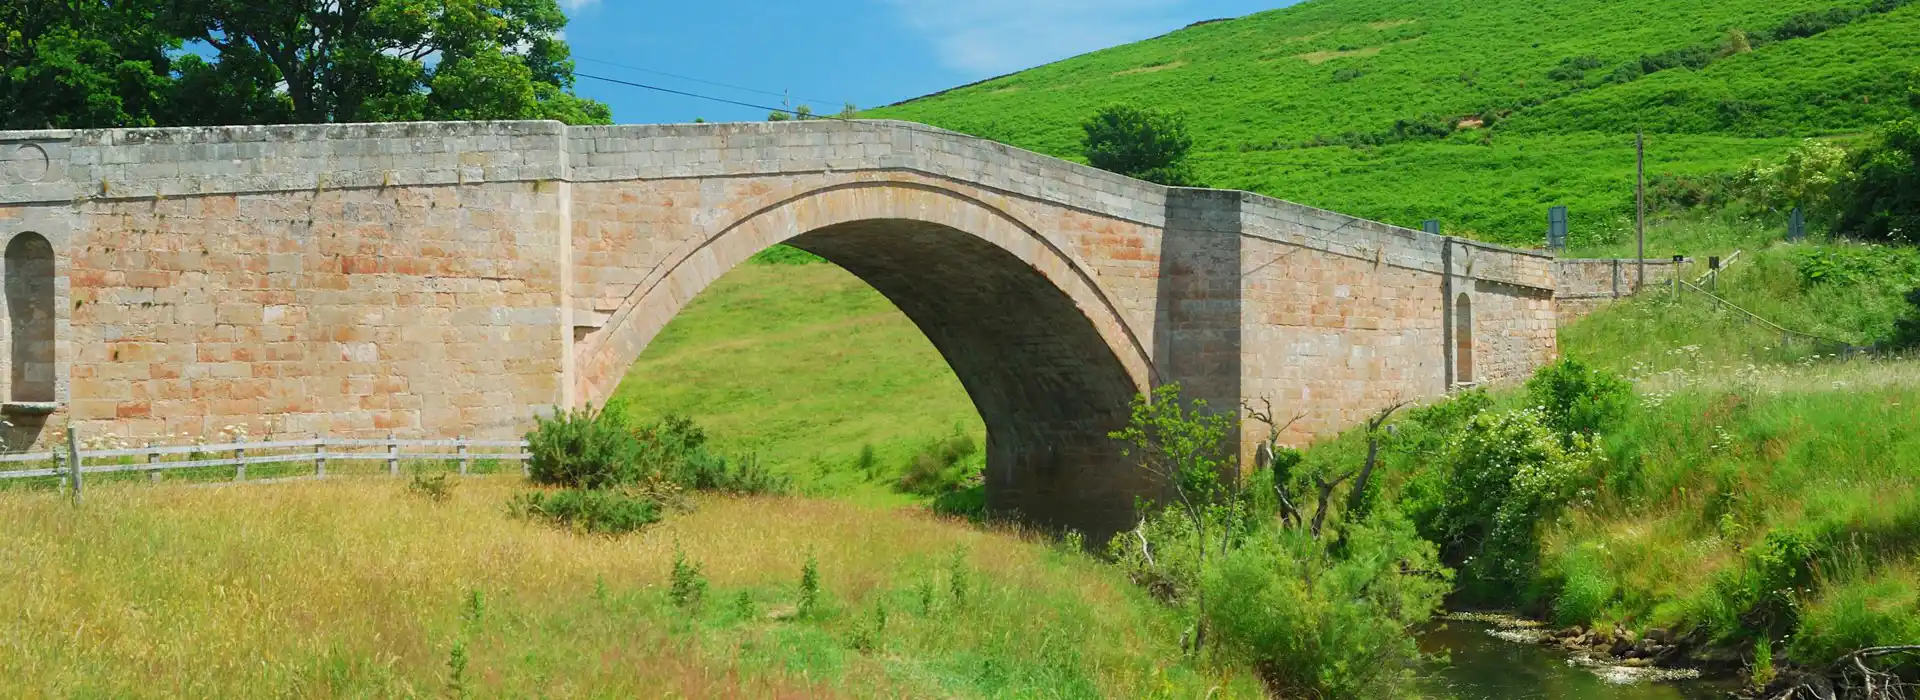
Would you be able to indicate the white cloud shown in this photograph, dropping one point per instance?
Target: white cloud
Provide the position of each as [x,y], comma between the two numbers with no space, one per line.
[577,5]
[989,37]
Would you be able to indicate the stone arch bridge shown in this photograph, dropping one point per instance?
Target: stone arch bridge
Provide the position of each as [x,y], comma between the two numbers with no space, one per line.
[459,278]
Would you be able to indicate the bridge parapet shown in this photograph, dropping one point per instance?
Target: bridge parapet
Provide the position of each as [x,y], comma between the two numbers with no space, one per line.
[438,279]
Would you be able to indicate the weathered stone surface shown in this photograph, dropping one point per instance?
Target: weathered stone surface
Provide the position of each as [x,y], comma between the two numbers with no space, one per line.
[1583,285]
[458,278]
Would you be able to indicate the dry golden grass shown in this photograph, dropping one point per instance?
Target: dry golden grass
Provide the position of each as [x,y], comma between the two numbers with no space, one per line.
[1153,68]
[353,587]
[1319,57]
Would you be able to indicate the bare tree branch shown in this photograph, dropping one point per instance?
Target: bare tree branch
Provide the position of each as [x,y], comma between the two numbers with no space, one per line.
[1354,498]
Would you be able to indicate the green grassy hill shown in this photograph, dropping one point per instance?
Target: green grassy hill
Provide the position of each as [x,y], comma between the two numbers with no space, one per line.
[806,366]
[1275,99]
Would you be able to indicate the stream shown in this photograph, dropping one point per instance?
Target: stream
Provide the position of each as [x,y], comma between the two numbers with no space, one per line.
[1485,667]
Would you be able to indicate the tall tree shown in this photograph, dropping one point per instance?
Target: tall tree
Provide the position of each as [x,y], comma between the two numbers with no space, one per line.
[379,60]
[82,64]
[1140,142]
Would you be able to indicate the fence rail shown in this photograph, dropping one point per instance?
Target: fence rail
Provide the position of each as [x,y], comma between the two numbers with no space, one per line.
[1787,334]
[316,452]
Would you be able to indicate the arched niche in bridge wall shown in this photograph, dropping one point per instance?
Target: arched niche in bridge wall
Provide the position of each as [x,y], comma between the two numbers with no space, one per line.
[1463,339]
[30,322]
[1045,359]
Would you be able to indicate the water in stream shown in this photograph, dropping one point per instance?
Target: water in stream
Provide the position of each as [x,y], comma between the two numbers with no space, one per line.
[1488,668]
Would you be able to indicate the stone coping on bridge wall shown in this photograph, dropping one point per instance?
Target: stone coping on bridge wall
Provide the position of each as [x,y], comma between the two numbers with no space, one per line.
[183,161]
[630,152]
[49,167]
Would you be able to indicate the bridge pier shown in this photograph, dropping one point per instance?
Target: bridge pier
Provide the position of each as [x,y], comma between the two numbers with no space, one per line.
[459,278]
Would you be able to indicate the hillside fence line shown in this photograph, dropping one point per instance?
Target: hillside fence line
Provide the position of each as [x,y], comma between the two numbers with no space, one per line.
[72,464]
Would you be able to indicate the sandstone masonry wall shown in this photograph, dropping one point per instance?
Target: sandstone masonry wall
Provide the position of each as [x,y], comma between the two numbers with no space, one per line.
[1586,284]
[449,278]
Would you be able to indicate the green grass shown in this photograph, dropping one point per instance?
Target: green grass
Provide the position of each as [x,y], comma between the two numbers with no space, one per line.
[1736,445]
[354,587]
[805,365]
[1498,192]
[1258,89]
[1700,477]
[1661,334]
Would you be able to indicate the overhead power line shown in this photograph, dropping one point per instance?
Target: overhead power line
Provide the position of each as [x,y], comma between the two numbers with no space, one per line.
[698,96]
[702,81]
[750,105]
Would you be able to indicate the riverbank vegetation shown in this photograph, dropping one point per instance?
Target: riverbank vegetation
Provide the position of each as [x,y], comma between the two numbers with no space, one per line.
[1751,495]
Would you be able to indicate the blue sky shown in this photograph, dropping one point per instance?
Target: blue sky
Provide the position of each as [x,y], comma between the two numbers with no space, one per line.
[830,52]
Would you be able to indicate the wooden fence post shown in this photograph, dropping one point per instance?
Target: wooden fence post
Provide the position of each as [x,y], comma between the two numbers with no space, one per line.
[73,461]
[466,460]
[319,456]
[240,457]
[153,473]
[393,455]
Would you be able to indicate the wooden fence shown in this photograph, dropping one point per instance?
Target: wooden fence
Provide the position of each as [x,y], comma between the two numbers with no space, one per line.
[317,453]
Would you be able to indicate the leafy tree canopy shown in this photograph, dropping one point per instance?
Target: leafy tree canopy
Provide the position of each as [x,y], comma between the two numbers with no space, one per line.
[1879,198]
[104,63]
[1139,142]
[81,63]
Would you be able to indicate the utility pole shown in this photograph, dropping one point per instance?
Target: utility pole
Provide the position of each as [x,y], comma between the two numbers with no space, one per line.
[1640,207]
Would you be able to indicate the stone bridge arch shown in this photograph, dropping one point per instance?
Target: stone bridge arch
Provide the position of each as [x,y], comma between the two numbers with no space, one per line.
[1044,353]
[461,278]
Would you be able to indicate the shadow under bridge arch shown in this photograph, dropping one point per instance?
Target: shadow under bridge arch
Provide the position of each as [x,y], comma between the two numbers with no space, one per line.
[1046,377]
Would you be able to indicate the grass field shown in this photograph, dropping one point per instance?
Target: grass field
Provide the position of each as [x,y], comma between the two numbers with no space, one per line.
[1261,91]
[353,587]
[805,365]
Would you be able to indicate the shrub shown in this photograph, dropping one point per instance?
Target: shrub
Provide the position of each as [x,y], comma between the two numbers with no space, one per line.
[951,471]
[433,487]
[969,502]
[1906,331]
[1423,436]
[1858,265]
[1139,142]
[584,449]
[600,511]
[1671,193]
[1574,68]
[943,466]
[1500,480]
[686,585]
[674,450]
[744,476]
[1162,555]
[958,580]
[1736,43]
[809,586]
[1879,197]
[1577,399]
[1805,177]
[1317,623]
[868,636]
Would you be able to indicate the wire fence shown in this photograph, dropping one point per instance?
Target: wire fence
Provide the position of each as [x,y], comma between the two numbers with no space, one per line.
[311,458]
[1787,335]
